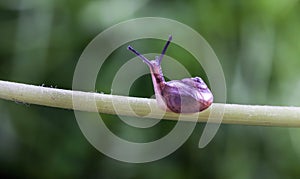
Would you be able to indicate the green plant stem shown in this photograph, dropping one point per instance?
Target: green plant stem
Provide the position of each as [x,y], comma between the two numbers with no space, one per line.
[113,104]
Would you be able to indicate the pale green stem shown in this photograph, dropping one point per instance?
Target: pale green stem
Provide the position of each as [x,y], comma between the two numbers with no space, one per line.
[113,104]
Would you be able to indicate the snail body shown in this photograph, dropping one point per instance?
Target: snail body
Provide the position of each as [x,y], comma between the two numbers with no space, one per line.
[188,95]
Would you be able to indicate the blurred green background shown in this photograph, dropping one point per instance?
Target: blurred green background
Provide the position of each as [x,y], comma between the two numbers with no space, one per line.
[257,42]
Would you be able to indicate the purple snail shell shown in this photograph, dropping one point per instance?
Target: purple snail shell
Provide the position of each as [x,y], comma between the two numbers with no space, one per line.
[188,95]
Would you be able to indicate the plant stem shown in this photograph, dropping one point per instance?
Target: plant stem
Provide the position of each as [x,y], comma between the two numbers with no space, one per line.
[113,104]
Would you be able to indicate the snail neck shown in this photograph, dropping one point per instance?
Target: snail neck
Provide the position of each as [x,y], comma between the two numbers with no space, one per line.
[157,75]
[157,79]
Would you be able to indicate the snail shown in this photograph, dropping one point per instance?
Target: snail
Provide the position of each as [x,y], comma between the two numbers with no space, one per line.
[188,95]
